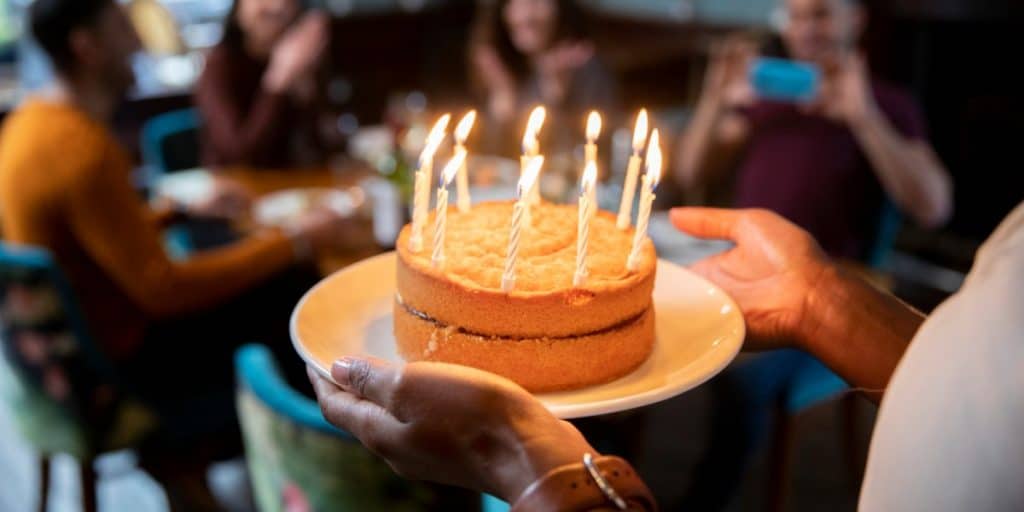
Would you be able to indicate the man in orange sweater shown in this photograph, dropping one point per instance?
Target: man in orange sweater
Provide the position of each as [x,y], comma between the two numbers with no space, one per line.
[65,185]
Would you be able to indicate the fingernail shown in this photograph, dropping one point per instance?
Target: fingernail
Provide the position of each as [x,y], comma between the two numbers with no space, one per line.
[341,370]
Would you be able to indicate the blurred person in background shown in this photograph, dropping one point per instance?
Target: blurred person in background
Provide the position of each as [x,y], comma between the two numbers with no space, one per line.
[261,93]
[66,186]
[829,166]
[526,53]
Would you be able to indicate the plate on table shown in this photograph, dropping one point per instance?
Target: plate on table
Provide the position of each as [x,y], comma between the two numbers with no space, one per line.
[699,330]
[185,187]
[284,208]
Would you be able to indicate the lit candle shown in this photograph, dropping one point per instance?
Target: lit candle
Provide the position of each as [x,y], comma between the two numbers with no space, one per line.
[421,181]
[531,147]
[462,183]
[593,132]
[526,181]
[587,208]
[441,214]
[632,172]
[650,182]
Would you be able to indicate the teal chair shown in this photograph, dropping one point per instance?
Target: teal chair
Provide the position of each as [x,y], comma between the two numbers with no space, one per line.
[298,461]
[170,141]
[61,392]
[492,504]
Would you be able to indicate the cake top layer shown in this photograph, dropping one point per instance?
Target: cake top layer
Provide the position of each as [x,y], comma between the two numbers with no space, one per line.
[477,244]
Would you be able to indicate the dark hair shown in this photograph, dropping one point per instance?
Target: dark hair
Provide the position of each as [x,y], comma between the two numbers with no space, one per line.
[53,21]
[490,29]
[232,37]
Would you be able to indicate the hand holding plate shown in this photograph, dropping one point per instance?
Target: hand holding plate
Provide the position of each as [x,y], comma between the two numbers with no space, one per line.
[772,273]
[449,424]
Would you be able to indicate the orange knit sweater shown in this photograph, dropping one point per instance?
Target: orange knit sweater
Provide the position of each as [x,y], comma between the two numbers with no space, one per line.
[65,185]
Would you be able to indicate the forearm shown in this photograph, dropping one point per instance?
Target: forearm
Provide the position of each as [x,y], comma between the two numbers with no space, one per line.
[908,170]
[695,148]
[238,135]
[212,277]
[858,331]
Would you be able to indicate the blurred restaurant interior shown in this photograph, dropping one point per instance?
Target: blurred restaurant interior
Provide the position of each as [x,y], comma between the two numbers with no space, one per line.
[389,69]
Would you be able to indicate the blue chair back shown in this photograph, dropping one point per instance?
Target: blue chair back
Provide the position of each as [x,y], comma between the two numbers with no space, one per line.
[890,221]
[64,383]
[298,461]
[170,141]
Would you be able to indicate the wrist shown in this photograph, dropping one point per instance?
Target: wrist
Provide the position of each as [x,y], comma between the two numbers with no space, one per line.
[714,105]
[274,80]
[534,456]
[823,301]
[713,99]
[502,104]
[866,119]
[594,483]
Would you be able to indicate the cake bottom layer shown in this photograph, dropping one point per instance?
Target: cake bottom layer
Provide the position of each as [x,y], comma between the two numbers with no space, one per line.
[540,365]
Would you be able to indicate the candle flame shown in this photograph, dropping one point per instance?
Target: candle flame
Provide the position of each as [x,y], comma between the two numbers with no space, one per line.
[464,126]
[436,136]
[654,159]
[450,170]
[533,128]
[589,177]
[530,174]
[593,126]
[640,133]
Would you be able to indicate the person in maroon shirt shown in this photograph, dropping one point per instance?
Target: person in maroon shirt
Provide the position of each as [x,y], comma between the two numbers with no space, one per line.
[259,94]
[829,166]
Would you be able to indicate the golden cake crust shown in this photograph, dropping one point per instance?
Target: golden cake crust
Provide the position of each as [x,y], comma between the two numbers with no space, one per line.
[467,293]
[538,364]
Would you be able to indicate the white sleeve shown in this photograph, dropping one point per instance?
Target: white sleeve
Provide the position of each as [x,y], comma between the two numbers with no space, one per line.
[950,430]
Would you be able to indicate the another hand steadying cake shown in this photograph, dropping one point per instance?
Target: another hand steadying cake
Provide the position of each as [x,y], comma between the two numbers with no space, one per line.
[545,335]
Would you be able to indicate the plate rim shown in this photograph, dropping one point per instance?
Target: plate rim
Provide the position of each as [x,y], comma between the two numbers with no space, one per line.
[562,411]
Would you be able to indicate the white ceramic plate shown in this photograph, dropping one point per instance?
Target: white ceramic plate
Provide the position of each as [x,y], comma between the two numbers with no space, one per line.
[185,187]
[281,209]
[699,331]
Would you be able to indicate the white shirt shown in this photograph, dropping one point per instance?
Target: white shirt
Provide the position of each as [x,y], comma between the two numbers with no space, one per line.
[950,430]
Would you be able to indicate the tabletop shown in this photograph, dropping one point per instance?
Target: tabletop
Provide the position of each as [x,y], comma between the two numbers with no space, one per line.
[263,182]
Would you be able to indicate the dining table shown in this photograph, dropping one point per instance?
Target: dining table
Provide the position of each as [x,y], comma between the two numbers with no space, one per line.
[352,175]
[359,242]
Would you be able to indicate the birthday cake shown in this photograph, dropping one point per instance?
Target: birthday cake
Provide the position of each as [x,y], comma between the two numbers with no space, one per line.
[544,333]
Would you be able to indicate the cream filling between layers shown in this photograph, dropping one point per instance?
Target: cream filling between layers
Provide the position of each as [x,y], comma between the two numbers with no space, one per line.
[441,325]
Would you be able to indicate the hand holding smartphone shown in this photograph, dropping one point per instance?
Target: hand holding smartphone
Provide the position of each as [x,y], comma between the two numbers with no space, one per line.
[785,80]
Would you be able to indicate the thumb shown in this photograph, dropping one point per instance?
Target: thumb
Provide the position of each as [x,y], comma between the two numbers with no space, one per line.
[706,222]
[368,378]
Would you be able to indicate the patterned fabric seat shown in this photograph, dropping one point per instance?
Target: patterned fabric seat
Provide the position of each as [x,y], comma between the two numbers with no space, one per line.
[63,394]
